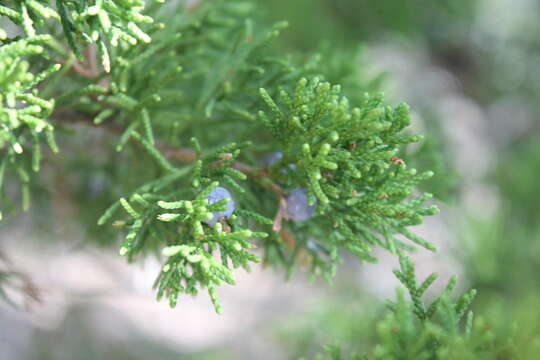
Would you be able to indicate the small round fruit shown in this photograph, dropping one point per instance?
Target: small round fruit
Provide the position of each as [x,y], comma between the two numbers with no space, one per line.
[298,208]
[216,195]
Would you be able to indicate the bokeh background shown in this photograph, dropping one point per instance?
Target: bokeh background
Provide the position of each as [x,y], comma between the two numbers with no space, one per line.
[470,71]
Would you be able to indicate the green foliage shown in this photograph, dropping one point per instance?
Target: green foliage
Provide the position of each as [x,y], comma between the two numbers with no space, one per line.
[407,277]
[173,80]
[24,115]
[197,97]
[346,22]
[346,157]
[193,62]
[97,21]
[158,216]
[444,330]
[214,66]
[355,175]
[501,250]
[401,336]
[418,331]
[515,177]
[231,243]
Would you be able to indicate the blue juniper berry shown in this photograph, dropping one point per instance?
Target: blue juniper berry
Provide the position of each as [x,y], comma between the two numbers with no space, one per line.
[272,158]
[275,157]
[216,195]
[298,208]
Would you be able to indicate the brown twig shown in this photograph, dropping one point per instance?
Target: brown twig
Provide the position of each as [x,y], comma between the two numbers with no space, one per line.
[186,155]
[89,67]
[289,239]
[182,155]
[280,214]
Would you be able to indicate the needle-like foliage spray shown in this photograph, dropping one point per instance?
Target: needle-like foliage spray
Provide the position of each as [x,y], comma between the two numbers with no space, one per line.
[195,97]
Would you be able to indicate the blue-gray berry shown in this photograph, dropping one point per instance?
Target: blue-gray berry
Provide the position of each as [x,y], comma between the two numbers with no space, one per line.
[272,158]
[298,208]
[275,157]
[216,195]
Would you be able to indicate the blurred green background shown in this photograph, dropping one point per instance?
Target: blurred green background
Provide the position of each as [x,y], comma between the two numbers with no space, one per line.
[469,70]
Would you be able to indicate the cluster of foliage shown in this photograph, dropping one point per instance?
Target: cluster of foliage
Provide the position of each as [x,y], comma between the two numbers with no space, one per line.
[344,156]
[198,97]
[412,330]
[23,114]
